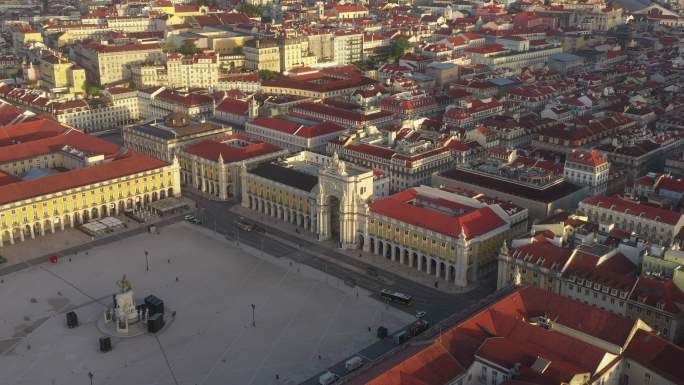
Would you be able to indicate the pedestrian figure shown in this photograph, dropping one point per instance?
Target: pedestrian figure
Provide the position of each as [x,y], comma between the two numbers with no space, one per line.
[69,259]
[319,356]
[369,329]
[173,314]
[176,279]
[277,377]
[169,261]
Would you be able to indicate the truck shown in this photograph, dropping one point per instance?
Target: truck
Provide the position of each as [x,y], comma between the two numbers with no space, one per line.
[400,337]
[353,363]
[327,378]
[418,327]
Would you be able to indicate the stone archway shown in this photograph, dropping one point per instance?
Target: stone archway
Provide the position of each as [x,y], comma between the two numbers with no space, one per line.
[333,204]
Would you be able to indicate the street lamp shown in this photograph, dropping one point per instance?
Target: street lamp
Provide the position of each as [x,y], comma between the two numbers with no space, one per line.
[90,376]
[253,321]
[147,261]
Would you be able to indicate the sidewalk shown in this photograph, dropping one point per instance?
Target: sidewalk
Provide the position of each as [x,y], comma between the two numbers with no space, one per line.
[71,241]
[368,258]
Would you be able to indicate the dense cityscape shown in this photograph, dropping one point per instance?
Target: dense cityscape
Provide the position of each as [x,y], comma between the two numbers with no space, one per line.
[380,192]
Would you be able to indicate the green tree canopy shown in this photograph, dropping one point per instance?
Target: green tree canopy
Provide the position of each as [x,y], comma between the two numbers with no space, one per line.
[93,90]
[188,48]
[267,74]
[251,10]
[397,49]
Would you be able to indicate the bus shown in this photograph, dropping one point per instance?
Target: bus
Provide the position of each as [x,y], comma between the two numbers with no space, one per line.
[394,296]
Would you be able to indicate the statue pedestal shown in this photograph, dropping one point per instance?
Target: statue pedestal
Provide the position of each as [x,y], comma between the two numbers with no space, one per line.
[125,307]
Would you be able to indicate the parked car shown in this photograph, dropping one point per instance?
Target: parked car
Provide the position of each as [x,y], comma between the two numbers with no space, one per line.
[244,225]
[189,218]
[353,363]
[328,378]
[420,314]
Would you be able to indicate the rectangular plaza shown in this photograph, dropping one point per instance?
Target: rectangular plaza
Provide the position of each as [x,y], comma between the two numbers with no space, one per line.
[305,320]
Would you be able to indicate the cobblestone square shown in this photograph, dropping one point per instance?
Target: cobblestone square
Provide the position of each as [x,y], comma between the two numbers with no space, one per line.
[300,314]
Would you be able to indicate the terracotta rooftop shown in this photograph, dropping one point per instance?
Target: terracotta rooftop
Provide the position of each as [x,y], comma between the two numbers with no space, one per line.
[633,208]
[502,333]
[402,207]
[305,131]
[225,148]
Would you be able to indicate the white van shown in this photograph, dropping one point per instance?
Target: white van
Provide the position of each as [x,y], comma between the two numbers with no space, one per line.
[327,378]
[353,363]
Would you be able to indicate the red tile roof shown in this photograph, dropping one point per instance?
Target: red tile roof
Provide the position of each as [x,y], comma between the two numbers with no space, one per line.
[234,106]
[543,253]
[126,164]
[616,272]
[658,355]
[6,178]
[401,207]
[124,47]
[29,131]
[292,128]
[667,182]
[622,205]
[654,291]
[591,158]
[212,149]
[72,138]
[450,355]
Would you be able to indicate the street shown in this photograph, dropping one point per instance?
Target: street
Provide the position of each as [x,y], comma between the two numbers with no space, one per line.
[438,305]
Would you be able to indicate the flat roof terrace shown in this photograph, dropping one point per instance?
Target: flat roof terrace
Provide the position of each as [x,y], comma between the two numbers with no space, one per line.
[549,194]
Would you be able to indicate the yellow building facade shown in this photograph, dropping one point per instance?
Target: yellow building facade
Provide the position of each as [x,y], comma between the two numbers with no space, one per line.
[87,178]
[409,228]
[59,73]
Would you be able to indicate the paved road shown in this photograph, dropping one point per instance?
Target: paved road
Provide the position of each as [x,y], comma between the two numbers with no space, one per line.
[438,305]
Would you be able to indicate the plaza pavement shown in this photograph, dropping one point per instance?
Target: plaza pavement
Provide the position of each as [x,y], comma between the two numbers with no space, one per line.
[301,314]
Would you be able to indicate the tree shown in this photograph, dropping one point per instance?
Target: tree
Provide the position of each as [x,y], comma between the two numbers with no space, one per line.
[93,90]
[188,48]
[267,74]
[169,47]
[251,10]
[397,49]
